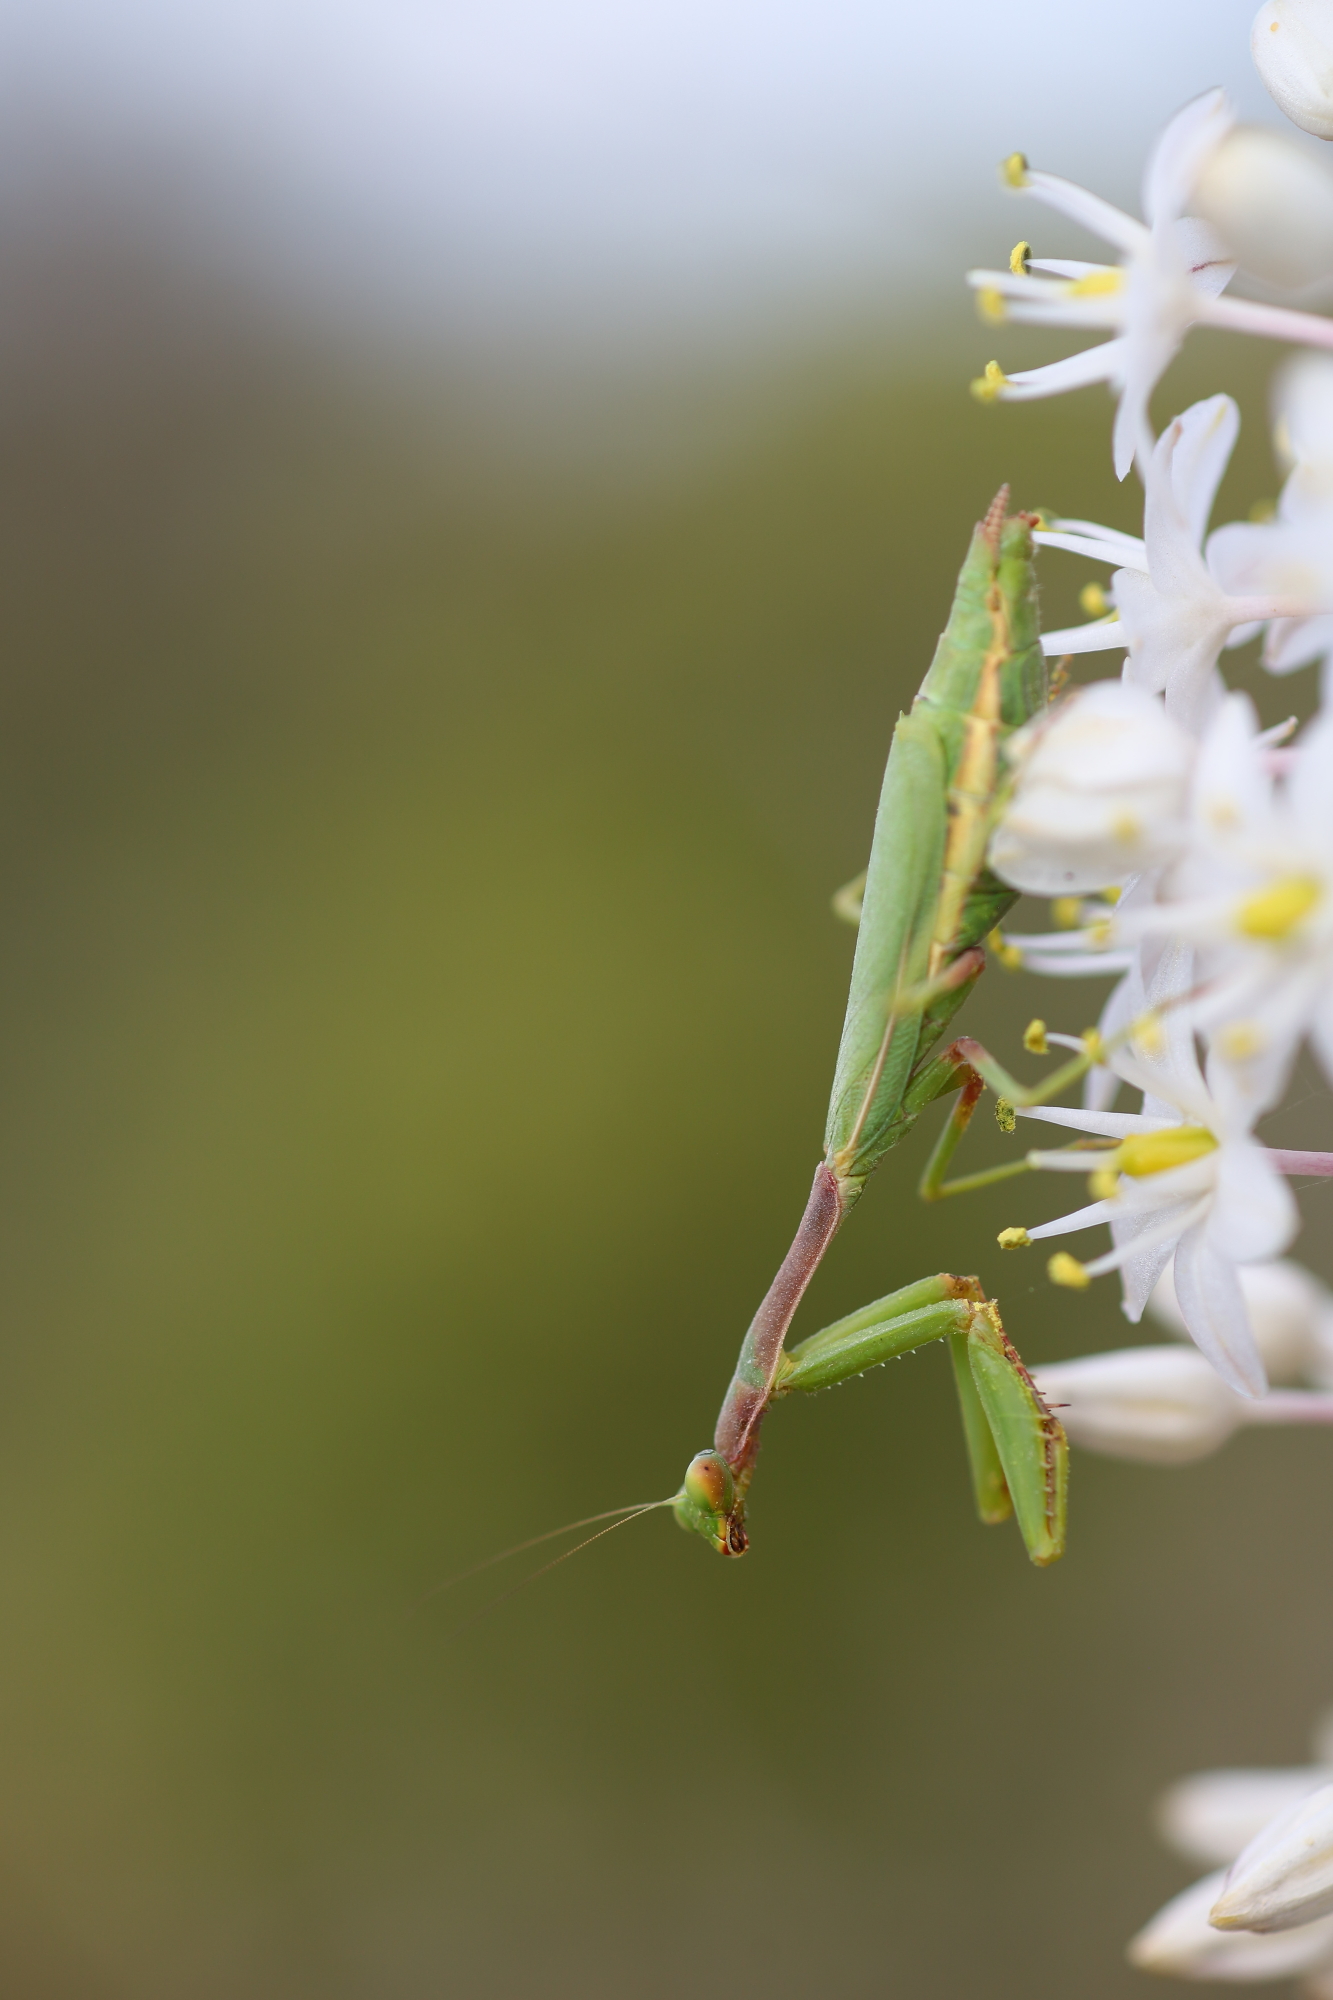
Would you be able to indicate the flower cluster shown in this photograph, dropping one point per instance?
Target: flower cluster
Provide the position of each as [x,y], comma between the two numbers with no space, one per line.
[1204,841]
[1188,851]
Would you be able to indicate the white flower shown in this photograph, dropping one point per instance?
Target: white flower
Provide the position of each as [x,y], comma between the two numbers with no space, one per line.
[1100,791]
[1255,896]
[1292,45]
[1170,277]
[1291,1314]
[1270,203]
[1291,555]
[1180,1940]
[1164,1405]
[1284,1878]
[1174,612]
[1186,1180]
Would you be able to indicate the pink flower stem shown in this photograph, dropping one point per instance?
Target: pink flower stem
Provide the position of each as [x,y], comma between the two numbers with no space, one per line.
[1277,322]
[1290,1406]
[1318,1164]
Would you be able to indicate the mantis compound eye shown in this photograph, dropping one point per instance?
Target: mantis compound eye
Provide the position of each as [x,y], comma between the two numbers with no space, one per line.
[709,1483]
[706,1504]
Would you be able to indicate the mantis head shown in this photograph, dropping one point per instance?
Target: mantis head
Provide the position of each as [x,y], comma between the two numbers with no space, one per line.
[707,1505]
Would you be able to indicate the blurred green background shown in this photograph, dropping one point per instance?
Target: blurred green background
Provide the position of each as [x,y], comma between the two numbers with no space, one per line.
[421,1000]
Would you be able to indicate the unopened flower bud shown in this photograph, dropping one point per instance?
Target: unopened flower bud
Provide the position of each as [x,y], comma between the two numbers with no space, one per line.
[1099,794]
[1292,45]
[1213,1816]
[1180,1940]
[1163,1404]
[1290,1312]
[1271,203]
[1284,1878]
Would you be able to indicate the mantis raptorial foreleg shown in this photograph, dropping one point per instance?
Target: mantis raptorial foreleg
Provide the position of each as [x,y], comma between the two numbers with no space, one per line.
[1016,1447]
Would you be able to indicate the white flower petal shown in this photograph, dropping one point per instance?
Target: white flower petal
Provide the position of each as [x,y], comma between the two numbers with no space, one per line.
[1254,1212]
[1180,154]
[1213,1308]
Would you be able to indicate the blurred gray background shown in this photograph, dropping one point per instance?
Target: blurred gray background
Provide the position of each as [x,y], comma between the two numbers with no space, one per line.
[478,484]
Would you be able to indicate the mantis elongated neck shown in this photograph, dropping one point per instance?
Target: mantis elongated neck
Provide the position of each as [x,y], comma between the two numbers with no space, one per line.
[751,1390]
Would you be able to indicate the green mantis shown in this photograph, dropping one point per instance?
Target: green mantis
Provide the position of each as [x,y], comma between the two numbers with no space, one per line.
[928,905]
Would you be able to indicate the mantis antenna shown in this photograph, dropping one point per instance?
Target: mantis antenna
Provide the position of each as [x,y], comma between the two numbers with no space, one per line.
[630,1512]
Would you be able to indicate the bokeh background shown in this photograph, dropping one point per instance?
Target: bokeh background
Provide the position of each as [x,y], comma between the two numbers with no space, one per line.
[478,485]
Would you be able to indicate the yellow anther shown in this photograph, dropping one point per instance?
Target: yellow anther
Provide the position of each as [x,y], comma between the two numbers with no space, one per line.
[991,306]
[1157,1152]
[1005,1116]
[1019,259]
[1014,170]
[1126,828]
[1240,1040]
[1067,912]
[1111,895]
[1066,1270]
[1010,957]
[1034,1038]
[1149,1036]
[1013,1239]
[1263,511]
[1104,1185]
[1099,935]
[986,388]
[1096,284]
[1275,912]
[1093,1045]
[1093,599]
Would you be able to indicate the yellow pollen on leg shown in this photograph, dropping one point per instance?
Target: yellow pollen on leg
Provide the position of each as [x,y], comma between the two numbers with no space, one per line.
[991,306]
[1157,1152]
[1066,1270]
[1275,913]
[1014,170]
[1019,259]
[1013,1239]
[1034,1038]
[988,387]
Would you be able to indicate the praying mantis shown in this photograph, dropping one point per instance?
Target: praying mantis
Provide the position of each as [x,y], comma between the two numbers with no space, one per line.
[928,904]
